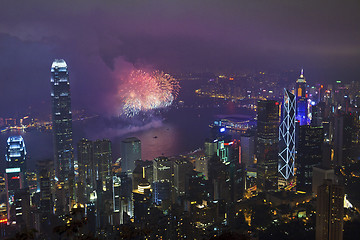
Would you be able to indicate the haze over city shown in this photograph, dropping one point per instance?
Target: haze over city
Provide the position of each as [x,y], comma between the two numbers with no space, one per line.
[181,119]
[99,38]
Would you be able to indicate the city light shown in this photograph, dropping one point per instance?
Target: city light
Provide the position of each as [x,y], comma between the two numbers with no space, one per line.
[12,170]
[3,220]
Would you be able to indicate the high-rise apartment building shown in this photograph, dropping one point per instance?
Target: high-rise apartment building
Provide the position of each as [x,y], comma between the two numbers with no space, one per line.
[130,152]
[330,211]
[267,144]
[287,136]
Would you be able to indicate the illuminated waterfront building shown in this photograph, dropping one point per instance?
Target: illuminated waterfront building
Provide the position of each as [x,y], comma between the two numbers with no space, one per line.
[287,136]
[267,144]
[234,124]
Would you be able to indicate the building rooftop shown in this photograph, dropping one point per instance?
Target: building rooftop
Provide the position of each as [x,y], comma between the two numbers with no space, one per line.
[59,63]
[131,139]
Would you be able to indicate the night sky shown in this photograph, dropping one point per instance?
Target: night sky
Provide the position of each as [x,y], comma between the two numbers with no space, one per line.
[100,39]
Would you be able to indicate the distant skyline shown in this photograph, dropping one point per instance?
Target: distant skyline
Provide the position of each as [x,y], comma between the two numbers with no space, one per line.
[99,40]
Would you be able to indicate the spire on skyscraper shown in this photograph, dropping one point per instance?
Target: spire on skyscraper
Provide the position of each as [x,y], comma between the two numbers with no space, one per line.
[301,78]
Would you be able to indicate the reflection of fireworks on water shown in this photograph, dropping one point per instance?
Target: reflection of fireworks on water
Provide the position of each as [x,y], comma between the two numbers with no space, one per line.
[147,91]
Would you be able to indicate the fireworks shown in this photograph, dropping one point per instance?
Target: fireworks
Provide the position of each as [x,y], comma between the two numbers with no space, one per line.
[142,92]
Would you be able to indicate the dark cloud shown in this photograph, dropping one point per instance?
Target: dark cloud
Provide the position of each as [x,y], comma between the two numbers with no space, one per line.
[204,35]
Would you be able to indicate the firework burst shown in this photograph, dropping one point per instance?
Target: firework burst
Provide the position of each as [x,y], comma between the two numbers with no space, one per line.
[144,92]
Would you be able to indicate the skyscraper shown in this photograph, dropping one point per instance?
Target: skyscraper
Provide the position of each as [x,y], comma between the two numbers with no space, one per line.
[45,175]
[162,185]
[102,162]
[130,152]
[301,100]
[309,155]
[16,153]
[181,168]
[247,144]
[287,136]
[86,181]
[344,131]
[267,144]
[301,86]
[62,120]
[15,173]
[62,135]
[330,211]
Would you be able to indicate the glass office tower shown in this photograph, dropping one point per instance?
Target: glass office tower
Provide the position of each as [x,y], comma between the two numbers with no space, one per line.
[62,120]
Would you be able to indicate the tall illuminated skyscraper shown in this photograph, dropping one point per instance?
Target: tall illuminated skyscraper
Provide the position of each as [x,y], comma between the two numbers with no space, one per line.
[15,174]
[287,136]
[300,90]
[16,153]
[302,108]
[62,120]
[62,135]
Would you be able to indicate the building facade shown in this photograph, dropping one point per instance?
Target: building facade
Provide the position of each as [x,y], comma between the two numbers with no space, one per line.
[287,136]
[130,152]
[330,211]
[62,120]
[309,155]
[15,175]
[267,144]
